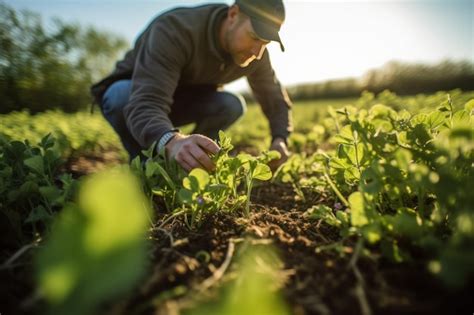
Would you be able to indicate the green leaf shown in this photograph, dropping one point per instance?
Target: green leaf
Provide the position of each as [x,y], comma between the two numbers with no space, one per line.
[197,180]
[28,187]
[225,141]
[262,172]
[186,196]
[436,119]
[355,154]
[191,183]
[358,213]
[50,193]
[270,156]
[38,214]
[403,158]
[338,163]
[244,158]
[419,135]
[96,250]
[47,141]
[371,182]
[351,174]
[150,169]
[382,111]
[469,106]
[35,163]
[407,223]
[150,152]
[345,136]
[165,175]
[217,188]
[342,217]
[135,164]
[325,213]
[461,118]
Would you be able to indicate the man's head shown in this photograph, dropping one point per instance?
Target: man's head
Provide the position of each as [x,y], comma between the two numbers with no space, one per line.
[250,26]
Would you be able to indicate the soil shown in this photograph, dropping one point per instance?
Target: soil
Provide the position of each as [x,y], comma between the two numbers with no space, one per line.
[313,283]
[93,162]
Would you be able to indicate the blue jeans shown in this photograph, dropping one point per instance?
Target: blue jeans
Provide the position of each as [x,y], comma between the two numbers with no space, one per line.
[210,109]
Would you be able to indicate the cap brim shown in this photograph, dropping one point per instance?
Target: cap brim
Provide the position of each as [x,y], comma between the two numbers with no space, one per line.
[266,31]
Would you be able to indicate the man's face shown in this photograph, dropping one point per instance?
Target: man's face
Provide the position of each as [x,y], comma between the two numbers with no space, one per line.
[243,43]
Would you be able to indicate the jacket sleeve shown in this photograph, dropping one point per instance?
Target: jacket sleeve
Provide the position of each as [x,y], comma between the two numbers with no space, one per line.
[159,62]
[272,97]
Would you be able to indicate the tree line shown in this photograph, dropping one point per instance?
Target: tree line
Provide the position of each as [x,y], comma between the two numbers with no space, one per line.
[400,77]
[46,67]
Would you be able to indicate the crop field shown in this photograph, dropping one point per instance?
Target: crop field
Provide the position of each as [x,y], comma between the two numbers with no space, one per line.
[372,214]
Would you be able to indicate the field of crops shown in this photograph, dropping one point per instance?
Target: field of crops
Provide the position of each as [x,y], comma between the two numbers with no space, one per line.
[372,214]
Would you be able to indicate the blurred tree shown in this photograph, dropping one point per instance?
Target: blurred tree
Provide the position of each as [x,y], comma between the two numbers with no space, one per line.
[50,68]
[408,78]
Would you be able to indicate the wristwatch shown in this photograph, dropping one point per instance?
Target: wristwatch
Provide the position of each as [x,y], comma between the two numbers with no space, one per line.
[165,138]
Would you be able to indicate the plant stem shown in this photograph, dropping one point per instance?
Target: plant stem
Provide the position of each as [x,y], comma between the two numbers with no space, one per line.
[247,202]
[334,188]
[171,217]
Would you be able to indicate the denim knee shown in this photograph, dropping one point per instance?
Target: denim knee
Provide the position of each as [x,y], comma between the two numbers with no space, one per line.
[234,104]
[116,97]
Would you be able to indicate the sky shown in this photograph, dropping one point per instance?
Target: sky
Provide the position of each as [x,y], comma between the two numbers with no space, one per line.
[324,40]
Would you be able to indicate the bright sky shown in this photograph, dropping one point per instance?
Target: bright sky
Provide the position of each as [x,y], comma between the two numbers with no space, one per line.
[323,39]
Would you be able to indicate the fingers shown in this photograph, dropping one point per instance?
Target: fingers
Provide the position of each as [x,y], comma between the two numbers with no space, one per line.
[202,158]
[206,143]
[184,164]
[279,146]
[186,160]
[192,153]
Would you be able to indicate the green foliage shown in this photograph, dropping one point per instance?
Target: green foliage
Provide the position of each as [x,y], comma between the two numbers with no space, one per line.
[407,176]
[75,134]
[199,192]
[31,189]
[50,68]
[96,249]
[393,172]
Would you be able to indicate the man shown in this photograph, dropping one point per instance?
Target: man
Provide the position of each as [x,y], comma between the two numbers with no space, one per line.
[174,73]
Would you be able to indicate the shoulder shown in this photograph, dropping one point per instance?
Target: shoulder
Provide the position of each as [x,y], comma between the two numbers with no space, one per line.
[189,16]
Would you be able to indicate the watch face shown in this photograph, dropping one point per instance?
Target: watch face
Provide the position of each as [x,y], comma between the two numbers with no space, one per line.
[165,139]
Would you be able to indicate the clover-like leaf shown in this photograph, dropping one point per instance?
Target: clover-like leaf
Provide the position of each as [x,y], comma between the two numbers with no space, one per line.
[35,163]
[262,172]
[197,180]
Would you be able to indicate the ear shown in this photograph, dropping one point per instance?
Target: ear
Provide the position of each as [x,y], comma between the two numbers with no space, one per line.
[233,12]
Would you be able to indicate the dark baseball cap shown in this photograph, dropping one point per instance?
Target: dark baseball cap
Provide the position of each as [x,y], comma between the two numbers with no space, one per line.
[266,17]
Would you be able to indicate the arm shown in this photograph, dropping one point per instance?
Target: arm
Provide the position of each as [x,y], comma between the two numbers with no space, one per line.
[275,104]
[160,59]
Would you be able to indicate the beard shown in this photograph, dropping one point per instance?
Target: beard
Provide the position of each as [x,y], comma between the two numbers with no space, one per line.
[238,57]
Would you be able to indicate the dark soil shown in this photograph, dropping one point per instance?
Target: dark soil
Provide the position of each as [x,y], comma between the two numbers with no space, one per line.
[315,283]
[90,163]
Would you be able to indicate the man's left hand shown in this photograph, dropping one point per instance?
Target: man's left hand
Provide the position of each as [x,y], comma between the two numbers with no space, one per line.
[279,145]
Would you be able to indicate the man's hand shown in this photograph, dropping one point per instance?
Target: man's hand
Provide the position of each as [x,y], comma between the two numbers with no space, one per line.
[279,145]
[192,151]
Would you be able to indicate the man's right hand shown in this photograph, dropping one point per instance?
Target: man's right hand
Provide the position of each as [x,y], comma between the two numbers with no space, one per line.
[192,151]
